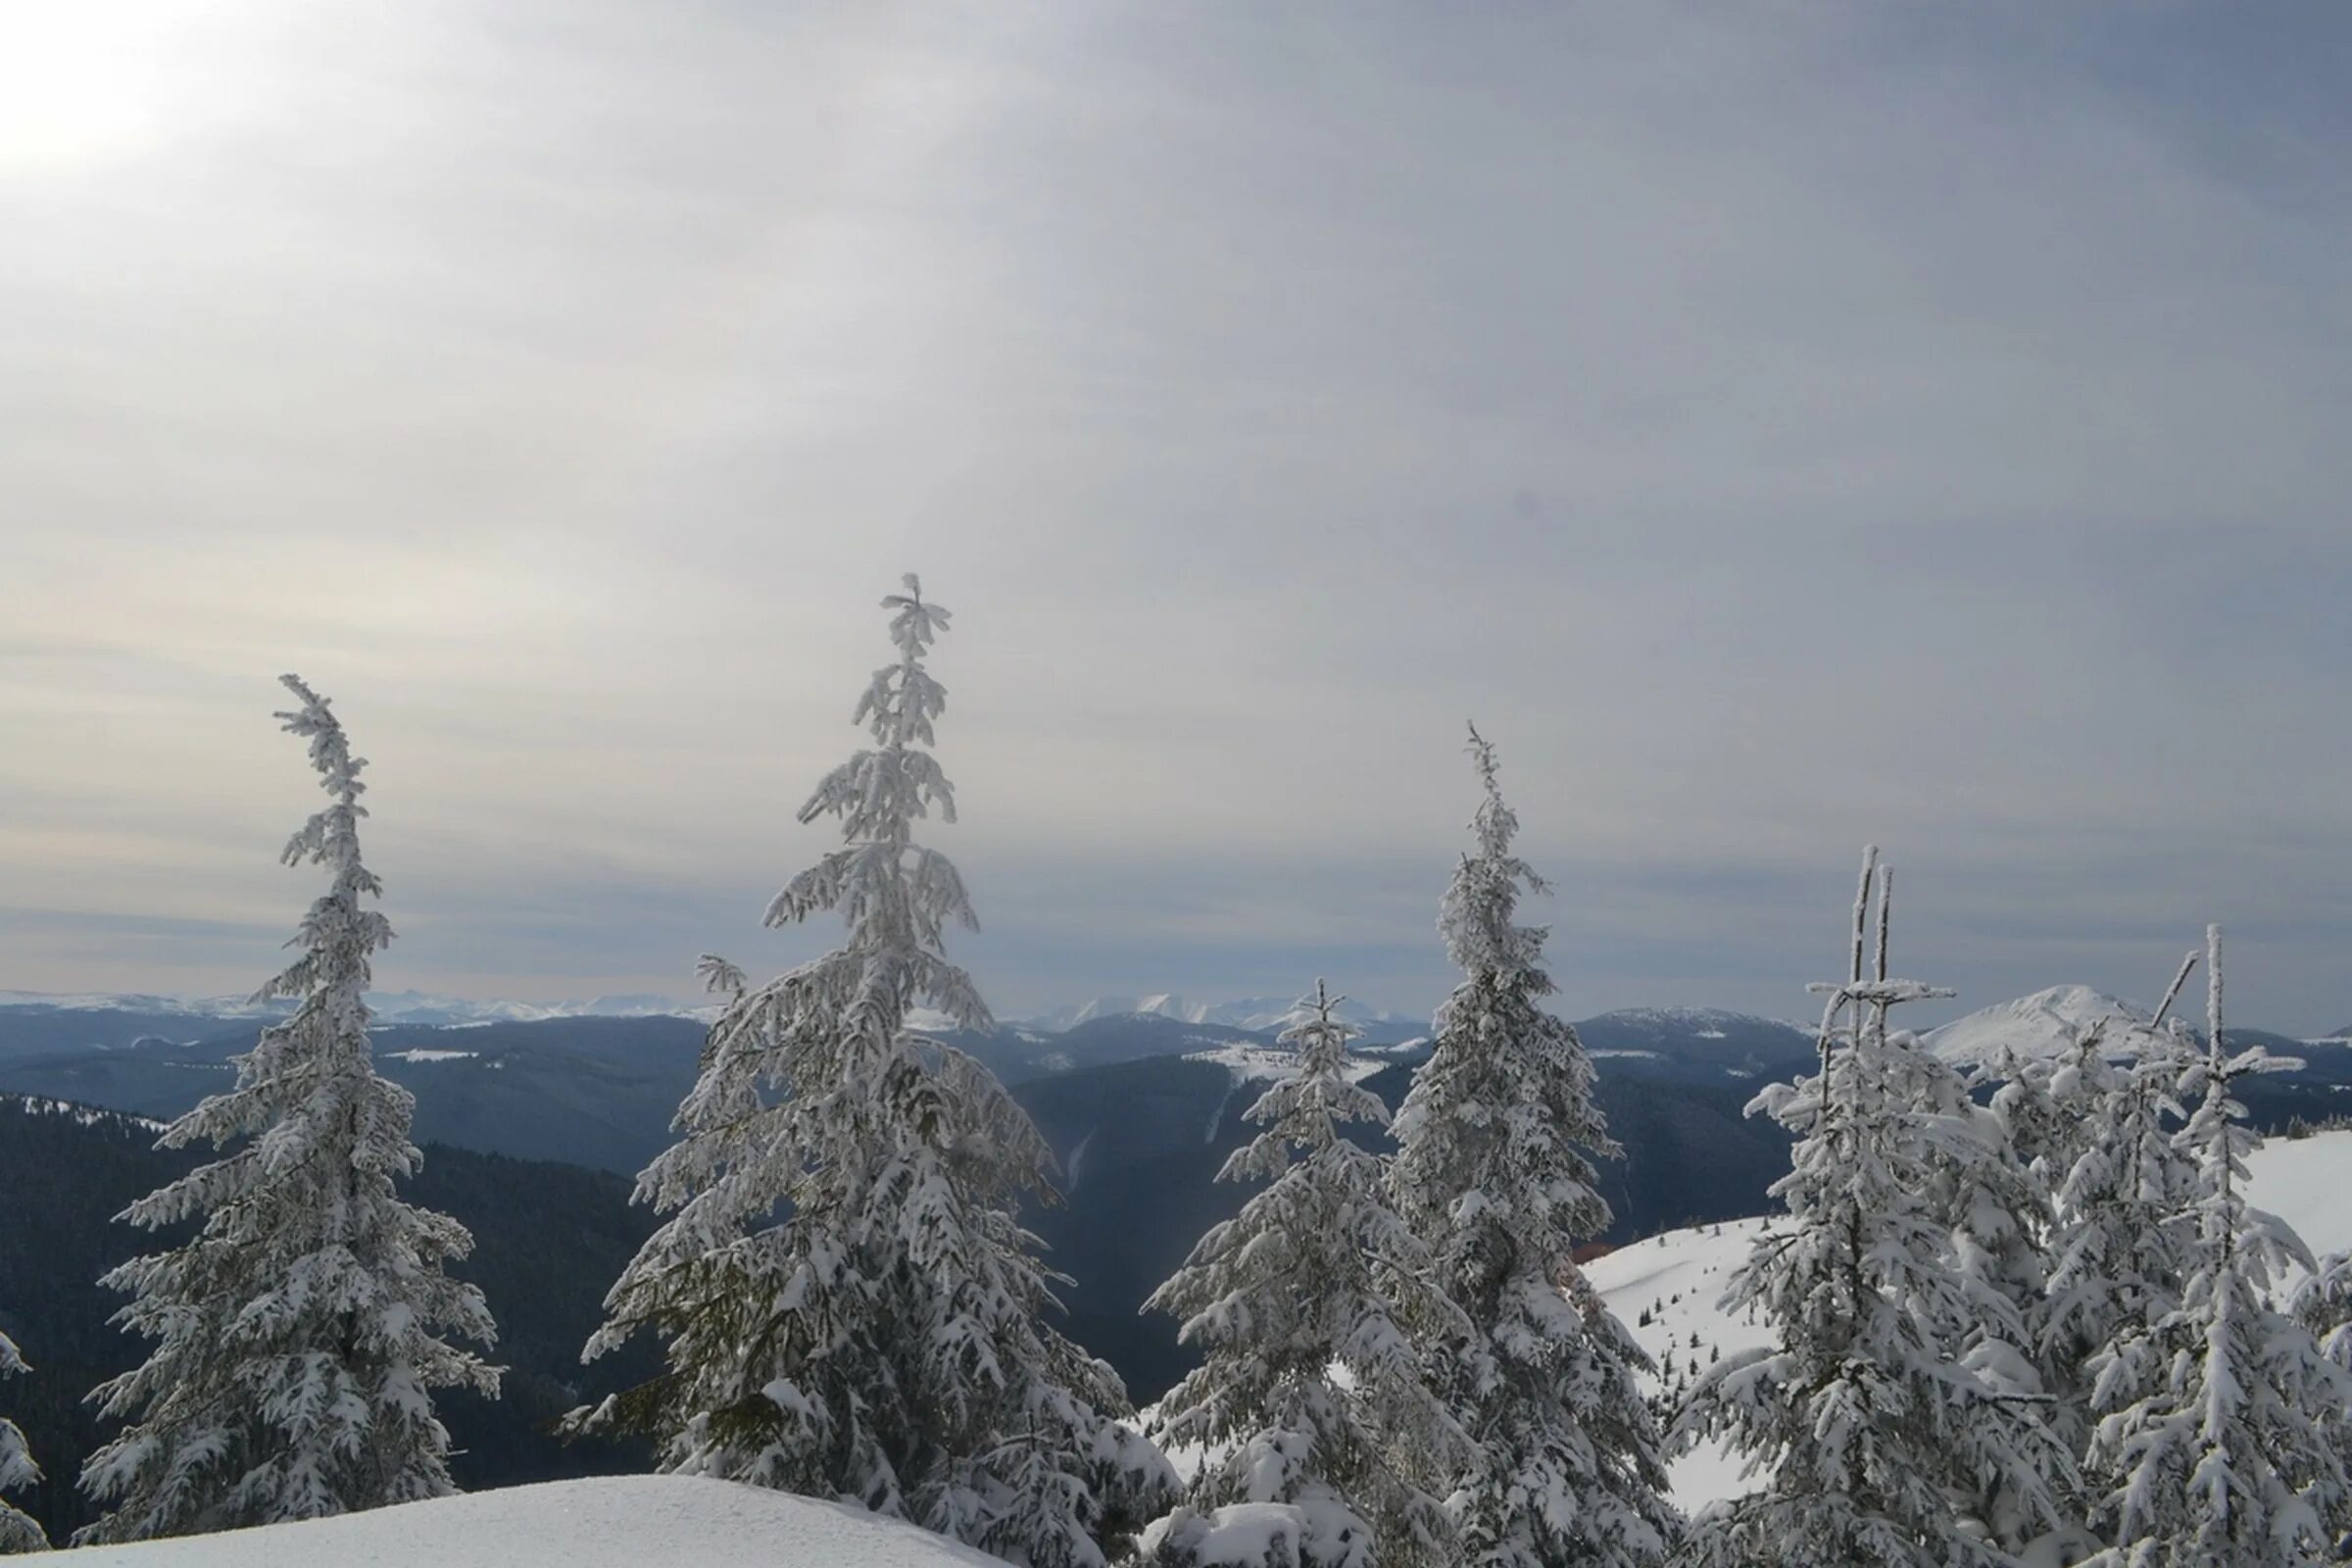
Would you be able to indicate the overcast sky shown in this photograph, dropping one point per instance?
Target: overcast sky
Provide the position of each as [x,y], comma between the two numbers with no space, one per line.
[1778,426]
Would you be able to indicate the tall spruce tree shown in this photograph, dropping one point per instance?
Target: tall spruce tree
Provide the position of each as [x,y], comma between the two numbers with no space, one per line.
[850,1307]
[1892,1412]
[2234,1457]
[19,1530]
[1311,1401]
[299,1332]
[1494,1172]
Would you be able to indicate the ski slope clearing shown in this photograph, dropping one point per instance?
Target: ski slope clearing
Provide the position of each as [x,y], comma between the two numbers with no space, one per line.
[617,1522]
[1676,1280]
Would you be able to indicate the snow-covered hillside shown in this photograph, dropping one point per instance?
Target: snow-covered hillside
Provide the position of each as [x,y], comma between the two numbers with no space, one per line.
[1675,1281]
[619,1522]
[1668,1291]
[2041,1026]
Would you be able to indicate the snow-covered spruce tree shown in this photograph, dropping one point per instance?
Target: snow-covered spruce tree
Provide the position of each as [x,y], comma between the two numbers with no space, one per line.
[300,1331]
[849,1304]
[2120,1238]
[1995,1161]
[1311,1401]
[1494,1172]
[2236,1460]
[19,1530]
[1892,1412]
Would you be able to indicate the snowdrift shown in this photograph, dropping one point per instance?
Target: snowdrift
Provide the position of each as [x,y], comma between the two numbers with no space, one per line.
[619,1522]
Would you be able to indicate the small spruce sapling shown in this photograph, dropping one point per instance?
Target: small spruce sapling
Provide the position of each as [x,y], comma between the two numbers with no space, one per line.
[1310,1398]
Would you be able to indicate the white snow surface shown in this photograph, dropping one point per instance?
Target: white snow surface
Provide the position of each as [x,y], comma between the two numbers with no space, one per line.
[1679,1278]
[612,1522]
[2040,1027]
[2302,1182]
[423,1054]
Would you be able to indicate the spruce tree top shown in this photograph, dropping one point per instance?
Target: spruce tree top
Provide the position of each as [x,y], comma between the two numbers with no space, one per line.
[896,896]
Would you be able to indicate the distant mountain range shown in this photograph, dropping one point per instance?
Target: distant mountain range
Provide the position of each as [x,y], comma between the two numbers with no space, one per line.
[388,1007]
[1140,1107]
[1258,1015]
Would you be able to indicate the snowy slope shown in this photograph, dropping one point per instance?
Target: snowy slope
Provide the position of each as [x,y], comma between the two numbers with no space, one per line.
[1677,1279]
[2041,1026]
[619,1521]
[2303,1181]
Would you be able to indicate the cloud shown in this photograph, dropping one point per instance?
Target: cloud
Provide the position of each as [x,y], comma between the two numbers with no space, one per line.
[1778,426]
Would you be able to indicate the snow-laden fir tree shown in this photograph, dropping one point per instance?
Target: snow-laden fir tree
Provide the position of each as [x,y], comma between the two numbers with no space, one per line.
[1995,1161]
[300,1333]
[1494,1172]
[2235,1458]
[1892,1409]
[849,1304]
[1310,1401]
[19,1530]
[2120,1239]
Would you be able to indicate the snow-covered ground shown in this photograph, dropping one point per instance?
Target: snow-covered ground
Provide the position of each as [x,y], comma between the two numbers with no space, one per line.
[2303,1181]
[615,1522]
[1677,1280]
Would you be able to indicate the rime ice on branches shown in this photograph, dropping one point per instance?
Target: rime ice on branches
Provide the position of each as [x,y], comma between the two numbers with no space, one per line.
[849,1304]
[1312,1401]
[1494,1172]
[1893,1420]
[299,1334]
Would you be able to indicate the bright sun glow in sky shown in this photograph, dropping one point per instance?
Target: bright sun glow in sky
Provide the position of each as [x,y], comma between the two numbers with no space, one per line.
[1779,426]
[81,85]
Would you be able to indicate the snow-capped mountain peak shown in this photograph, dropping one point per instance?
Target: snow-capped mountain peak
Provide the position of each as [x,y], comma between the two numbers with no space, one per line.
[2038,1027]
